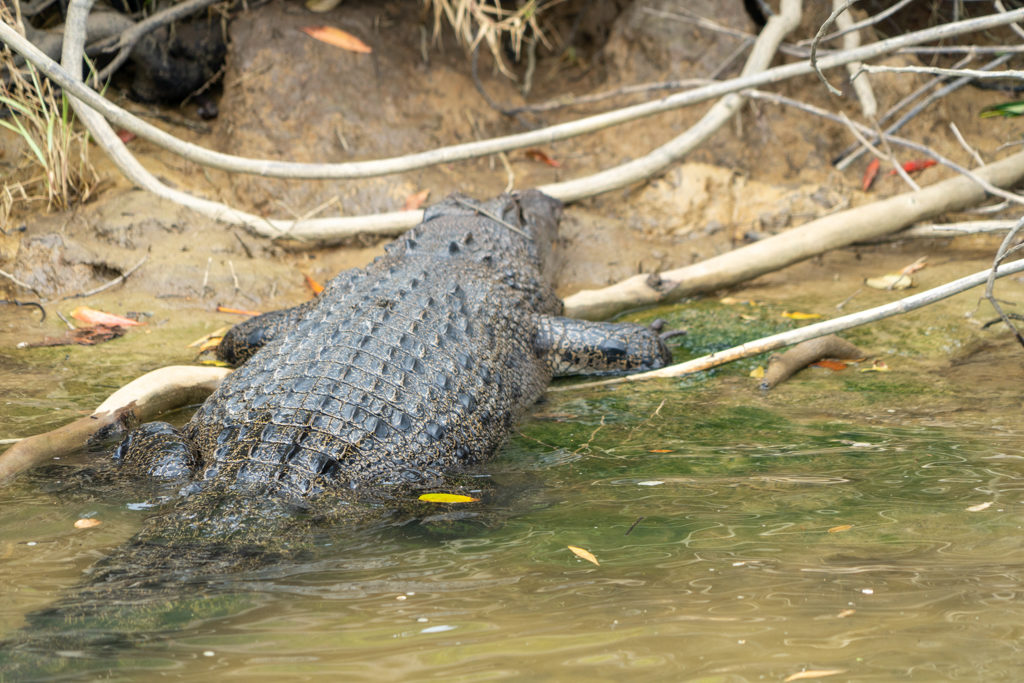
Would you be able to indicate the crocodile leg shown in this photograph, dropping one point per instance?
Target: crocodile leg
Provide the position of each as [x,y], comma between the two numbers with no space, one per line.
[157,449]
[248,337]
[581,347]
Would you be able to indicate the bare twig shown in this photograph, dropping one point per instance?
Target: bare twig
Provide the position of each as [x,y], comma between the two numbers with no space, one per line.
[861,86]
[116,281]
[852,27]
[903,142]
[963,143]
[974,74]
[21,284]
[817,39]
[845,322]
[1005,249]
[848,158]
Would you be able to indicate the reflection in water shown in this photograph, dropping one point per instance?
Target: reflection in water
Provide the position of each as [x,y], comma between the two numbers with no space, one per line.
[737,546]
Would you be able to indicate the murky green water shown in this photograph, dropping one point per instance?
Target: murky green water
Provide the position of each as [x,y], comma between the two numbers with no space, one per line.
[862,522]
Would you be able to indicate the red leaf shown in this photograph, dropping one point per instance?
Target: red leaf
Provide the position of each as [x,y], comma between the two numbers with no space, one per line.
[869,175]
[538,155]
[917,165]
[126,136]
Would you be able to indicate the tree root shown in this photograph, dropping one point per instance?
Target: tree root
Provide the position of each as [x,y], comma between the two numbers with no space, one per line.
[781,367]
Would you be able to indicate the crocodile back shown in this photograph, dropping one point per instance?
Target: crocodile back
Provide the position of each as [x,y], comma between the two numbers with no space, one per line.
[415,366]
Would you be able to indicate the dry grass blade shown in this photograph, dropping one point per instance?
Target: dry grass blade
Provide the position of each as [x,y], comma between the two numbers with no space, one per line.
[476,21]
[56,168]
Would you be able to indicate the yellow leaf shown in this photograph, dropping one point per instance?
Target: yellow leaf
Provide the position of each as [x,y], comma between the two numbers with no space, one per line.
[758,372]
[583,554]
[337,38]
[216,334]
[447,498]
[845,613]
[87,523]
[797,315]
[877,366]
[812,673]
[841,527]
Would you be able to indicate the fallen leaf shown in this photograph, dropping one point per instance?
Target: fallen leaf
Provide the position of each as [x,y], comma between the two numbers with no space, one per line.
[979,507]
[892,281]
[337,38]
[845,613]
[869,175]
[236,311]
[415,200]
[91,316]
[841,527]
[83,336]
[447,498]
[915,166]
[87,523]
[797,315]
[213,362]
[829,364]
[650,482]
[812,673]
[758,372]
[660,450]
[915,266]
[125,136]
[1007,109]
[877,366]
[538,155]
[583,554]
[216,334]
[315,286]
[211,343]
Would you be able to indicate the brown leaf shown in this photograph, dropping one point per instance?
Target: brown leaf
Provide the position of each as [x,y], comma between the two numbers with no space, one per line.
[337,38]
[539,155]
[87,523]
[583,554]
[125,136]
[83,336]
[91,316]
[915,266]
[841,527]
[415,200]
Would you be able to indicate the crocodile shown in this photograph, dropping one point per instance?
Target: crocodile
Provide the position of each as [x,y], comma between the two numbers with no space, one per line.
[400,377]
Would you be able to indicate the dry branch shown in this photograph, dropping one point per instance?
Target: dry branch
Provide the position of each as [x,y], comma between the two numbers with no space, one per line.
[140,400]
[783,366]
[846,322]
[813,238]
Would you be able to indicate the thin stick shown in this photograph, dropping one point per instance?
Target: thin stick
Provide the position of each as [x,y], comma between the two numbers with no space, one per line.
[963,143]
[777,341]
[21,284]
[1004,251]
[817,39]
[861,86]
[116,281]
[974,74]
